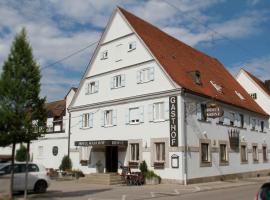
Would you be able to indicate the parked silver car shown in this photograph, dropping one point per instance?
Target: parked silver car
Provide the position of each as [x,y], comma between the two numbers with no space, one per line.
[38,180]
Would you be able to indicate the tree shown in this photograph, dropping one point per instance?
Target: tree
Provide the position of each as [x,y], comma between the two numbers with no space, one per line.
[21,154]
[66,164]
[20,103]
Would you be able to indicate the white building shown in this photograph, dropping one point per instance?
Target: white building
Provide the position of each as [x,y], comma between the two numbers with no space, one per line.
[121,113]
[258,90]
[53,146]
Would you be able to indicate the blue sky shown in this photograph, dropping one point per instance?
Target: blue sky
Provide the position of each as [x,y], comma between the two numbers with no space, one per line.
[236,32]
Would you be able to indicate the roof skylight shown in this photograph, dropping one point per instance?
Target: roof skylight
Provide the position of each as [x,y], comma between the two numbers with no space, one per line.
[239,95]
[216,86]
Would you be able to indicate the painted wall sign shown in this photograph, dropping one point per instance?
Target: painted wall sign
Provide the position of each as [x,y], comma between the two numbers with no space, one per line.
[55,150]
[173,121]
[102,142]
[214,111]
[234,139]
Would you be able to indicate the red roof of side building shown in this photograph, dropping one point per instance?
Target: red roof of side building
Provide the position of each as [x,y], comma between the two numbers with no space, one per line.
[258,82]
[179,59]
[56,108]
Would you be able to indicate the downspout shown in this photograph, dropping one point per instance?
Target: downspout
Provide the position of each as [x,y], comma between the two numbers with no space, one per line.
[184,136]
[69,132]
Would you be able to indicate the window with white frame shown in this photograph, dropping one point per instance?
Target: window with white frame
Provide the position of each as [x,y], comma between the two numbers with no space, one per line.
[255,153]
[205,152]
[201,111]
[91,87]
[134,152]
[223,153]
[160,152]
[118,81]
[244,155]
[158,111]
[108,117]
[145,75]
[131,46]
[253,124]
[40,151]
[104,55]
[87,120]
[134,115]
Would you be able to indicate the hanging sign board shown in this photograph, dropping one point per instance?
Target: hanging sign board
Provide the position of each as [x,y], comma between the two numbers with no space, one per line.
[173,121]
[214,110]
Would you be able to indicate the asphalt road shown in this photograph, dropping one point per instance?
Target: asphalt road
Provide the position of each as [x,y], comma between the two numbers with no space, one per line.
[68,190]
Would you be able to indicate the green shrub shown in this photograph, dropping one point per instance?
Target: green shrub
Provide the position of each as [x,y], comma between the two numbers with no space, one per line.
[143,167]
[21,154]
[66,164]
[151,174]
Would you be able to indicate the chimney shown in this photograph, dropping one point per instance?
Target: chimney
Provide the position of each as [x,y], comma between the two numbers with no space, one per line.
[267,84]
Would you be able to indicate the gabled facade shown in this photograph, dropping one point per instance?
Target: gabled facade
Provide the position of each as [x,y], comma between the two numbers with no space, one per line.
[144,96]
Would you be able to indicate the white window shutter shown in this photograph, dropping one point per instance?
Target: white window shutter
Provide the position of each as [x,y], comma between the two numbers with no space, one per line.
[102,120]
[91,120]
[139,76]
[166,109]
[112,82]
[141,114]
[199,111]
[96,86]
[123,80]
[82,121]
[86,88]
[151,74]
[114,120]
[150,112]
[127,116]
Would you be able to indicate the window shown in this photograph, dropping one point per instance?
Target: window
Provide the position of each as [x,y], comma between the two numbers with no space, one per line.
[104,55]
[132,46]
[223,153]
[118,81]
[145,75]
[158,111]
[265,154]
[86,120]
[241,120]
[255,153]
[196,77]
[40,151]
[91,87]
[205,153]
[108,118]
[262,126]
[232,118]
[253,124]
[253,95]
[244,154]
[201,112]
[134,115]
[160,152]
[134,152]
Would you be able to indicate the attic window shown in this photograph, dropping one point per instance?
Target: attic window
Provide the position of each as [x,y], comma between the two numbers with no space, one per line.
[216,86]
[196,77]
[239,95]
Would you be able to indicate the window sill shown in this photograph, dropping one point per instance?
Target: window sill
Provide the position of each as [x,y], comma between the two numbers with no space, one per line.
[104,58]
[204,121]
[85,128]
[134,123]
[89,93]
[117,87]
[130,50]
[223,163]
[107,126]
[160,120]
[206,164]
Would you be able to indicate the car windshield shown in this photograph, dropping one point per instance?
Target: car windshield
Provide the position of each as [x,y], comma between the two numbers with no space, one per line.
[265,193]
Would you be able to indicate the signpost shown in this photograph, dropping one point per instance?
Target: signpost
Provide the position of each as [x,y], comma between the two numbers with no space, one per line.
[214,110]
[173,121]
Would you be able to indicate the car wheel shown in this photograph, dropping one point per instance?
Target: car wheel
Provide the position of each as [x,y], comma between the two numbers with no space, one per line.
[40,187]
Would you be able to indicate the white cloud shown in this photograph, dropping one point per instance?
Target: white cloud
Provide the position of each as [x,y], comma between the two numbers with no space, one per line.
[260,67]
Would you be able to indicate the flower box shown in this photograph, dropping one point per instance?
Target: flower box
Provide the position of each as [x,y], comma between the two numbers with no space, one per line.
[84,162]
[159,165]
[133,164]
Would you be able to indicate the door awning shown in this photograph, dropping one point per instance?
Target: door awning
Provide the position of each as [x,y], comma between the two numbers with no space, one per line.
[102,143]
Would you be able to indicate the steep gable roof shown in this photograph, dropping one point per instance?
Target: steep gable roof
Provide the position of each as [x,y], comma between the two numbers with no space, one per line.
[258,82]
[179,59]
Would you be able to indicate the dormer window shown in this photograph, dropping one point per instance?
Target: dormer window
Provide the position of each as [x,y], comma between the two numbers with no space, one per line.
[239,95]
[216,86]
[132,46]
[104,55]
[196,77]
[253,95]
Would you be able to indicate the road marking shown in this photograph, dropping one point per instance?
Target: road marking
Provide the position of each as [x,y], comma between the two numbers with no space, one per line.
[197,188]
[124,197]
[176,191]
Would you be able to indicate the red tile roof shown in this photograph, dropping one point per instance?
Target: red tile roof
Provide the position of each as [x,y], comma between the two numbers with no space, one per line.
[258,82]
[178,59]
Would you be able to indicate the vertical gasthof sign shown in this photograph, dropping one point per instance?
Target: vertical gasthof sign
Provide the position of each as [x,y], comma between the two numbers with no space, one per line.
[173,121]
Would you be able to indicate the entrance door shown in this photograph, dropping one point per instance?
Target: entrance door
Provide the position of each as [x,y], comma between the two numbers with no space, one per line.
[111,158]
